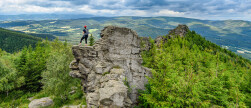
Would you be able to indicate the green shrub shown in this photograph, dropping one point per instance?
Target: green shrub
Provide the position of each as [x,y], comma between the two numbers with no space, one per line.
[77,95]
[55,79]
[43,68]
[84,101]
[15,99]
[59,101]
[91,40]
[41,95]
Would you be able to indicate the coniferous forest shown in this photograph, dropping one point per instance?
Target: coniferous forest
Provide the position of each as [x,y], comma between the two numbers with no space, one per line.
[193,72]
[38,72]
[12,41]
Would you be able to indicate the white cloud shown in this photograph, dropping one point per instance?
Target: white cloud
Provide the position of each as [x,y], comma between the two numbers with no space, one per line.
[35,9]
[107,3]
[88,10]
[230,10]
[167,12]
[130,12]
[26,6]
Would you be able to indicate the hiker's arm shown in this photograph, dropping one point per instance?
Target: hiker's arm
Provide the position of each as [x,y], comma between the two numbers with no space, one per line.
[83,32]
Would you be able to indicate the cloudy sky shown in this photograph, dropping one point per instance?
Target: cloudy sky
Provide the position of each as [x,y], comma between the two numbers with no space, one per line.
[202,9]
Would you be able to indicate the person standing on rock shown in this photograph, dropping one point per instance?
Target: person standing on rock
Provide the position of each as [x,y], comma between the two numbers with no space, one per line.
[85,35]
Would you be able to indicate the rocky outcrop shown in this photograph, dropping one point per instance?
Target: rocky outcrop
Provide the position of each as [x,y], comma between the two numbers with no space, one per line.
[180,30]
[111,70]
[160,40]
[145,44]
[43,102]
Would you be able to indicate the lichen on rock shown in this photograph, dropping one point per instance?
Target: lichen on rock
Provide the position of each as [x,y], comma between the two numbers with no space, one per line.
[43,102]
[104,67]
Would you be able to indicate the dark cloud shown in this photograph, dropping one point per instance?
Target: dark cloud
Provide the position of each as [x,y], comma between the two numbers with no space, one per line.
[190,8]
[43,4]
[203,6]
[147,4]
[76,2]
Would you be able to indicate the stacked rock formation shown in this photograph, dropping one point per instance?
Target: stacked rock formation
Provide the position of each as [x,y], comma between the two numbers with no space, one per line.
[180,30]
[111,70]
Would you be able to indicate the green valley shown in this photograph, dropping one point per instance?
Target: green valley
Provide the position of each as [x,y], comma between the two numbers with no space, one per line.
[231,34]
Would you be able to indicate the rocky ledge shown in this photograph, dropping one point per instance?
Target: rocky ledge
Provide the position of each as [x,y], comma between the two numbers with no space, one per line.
[111,70]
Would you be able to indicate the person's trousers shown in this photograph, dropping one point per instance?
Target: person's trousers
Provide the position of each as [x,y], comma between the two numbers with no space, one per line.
[84,37]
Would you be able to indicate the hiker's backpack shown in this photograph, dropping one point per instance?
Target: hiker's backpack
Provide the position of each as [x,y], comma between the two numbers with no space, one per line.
[86,31]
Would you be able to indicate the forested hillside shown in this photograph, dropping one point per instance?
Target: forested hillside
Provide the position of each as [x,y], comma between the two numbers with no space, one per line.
[12,41]
[44,36]
[38,72]
[193,72]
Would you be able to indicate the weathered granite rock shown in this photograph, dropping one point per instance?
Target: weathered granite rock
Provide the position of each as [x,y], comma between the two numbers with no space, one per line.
[111,70]
[159,39]
[145,44]
[181,31]
[31,98]
[43,102]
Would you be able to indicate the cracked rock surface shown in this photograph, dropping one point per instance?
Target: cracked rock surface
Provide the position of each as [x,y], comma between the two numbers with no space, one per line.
[111,70]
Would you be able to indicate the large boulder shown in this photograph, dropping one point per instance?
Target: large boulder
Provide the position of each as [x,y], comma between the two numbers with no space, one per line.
[43,102]
[111,70]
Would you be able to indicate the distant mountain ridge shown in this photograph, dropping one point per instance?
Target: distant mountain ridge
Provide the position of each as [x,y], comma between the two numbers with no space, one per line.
[23,17]
[231,34]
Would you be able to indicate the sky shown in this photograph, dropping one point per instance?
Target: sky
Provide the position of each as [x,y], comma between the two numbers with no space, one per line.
[200,9]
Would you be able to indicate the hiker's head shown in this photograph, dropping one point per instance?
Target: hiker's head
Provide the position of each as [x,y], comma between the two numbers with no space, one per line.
[85,26]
